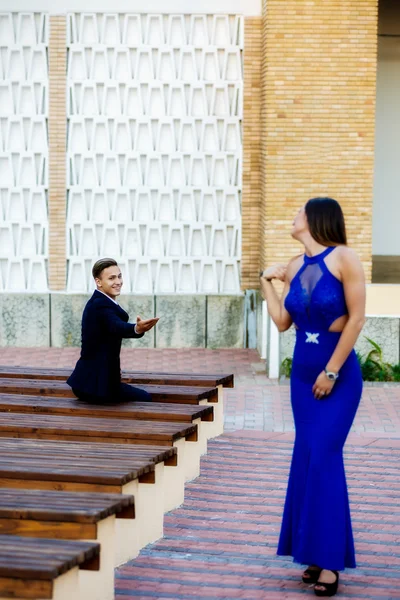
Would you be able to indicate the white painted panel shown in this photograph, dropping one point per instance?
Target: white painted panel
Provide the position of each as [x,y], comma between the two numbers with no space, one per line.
[386,208]
[24,149]
[154,148]
[245,7]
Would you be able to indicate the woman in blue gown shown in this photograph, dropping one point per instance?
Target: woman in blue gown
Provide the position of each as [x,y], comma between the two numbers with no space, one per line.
[324,297]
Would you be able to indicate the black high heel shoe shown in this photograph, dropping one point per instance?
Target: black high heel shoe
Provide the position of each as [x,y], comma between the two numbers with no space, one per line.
[330,588]
[313,575]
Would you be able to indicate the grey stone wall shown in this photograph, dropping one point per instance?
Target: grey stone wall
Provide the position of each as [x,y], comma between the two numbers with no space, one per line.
[287,340]
[24,320]
[225,321]
[144,307]
[186,321]
[182,321]
[66,316]
[385,331]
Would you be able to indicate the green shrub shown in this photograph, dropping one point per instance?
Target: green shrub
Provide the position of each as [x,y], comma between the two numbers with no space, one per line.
[373,367]
[286,367]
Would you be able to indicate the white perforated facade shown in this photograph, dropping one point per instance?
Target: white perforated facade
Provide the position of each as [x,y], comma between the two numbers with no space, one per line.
[23,151]
[154,150]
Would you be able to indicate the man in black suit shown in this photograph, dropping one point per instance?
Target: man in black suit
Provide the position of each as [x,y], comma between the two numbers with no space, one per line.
[97,374]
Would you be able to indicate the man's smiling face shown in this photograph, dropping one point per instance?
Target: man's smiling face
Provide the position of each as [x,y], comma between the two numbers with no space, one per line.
[110,281]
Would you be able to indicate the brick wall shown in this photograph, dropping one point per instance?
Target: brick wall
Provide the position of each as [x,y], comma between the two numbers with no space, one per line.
[318,116]
[251,194]
[57,149]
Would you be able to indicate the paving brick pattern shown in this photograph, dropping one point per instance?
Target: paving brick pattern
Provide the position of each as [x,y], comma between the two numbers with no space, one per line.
[221,543]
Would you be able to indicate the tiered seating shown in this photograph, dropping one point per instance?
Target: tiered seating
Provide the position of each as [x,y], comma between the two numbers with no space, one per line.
[38,568]
[141,378]
[199,415]
[49,440]
[134,377]
[70,516]
[120,431]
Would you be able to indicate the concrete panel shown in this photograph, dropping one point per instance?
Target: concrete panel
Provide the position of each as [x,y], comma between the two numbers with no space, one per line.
[182,321]
[287,340]
[66,319]
[142,306]
[225,316]
[385,331]
[24,320]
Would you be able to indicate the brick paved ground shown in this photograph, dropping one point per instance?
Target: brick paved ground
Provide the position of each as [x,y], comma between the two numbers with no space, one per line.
[221,543]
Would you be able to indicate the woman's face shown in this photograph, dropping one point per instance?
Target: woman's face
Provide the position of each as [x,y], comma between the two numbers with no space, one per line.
[300,224]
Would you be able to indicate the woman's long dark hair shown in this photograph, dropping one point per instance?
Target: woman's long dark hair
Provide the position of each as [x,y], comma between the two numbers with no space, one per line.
[326,221]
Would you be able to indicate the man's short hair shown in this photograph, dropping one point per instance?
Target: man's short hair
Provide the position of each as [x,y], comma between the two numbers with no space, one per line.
[102,264]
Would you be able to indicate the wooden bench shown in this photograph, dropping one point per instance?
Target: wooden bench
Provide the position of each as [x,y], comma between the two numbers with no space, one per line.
[160,393]
[105,468]
[199,415]
[107,462]
[181,435]
[173,474]
[218,381]
[134,377]
[41,569]
[72,516]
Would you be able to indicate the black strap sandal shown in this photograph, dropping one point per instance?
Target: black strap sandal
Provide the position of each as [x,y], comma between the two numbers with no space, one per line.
[311,575]
[330,588]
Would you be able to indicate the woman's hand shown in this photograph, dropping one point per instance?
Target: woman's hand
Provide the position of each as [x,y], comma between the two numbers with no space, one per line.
[322,386]
[275,272]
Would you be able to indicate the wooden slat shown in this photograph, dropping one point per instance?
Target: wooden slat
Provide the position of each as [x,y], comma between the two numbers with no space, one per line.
[42,559]
[81,463]
[61,530]
[126,455]
[28,589]
[134,377]
[113,430]
[154,411]
[159,393]
[185,379]
[18,467]
[63,506]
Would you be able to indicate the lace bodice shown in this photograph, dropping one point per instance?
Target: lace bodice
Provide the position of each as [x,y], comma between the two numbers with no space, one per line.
[316,297]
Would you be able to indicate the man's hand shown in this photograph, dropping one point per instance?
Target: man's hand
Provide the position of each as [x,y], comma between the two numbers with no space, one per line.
[143,325]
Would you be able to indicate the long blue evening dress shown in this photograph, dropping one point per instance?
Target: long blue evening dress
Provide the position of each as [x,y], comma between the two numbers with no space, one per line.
[316,527]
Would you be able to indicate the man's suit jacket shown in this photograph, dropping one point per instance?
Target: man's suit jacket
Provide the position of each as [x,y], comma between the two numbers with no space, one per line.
[104,325]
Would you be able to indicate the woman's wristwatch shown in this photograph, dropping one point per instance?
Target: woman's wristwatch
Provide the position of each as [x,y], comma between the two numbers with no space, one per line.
[331,375]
